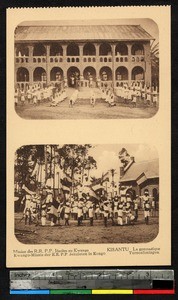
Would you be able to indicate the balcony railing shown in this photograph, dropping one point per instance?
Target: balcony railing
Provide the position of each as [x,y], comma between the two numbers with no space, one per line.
[89,59]
[39,59]
[121,82]
[73,59]
[123,58]
[21,60]
[106,84]
[124,81]
[137,81]
[76,59]
[86,83]
[55,59]
[137,58]
[22,84]
[107,58]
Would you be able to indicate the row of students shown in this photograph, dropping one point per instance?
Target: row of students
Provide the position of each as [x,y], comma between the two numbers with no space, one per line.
[120,209]
[33,95]
[133,93]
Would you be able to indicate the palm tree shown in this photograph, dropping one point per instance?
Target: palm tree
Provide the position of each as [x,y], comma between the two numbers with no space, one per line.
[113,182]
[155,63]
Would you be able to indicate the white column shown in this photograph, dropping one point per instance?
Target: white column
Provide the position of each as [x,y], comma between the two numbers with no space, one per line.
[47,64]
[113,46]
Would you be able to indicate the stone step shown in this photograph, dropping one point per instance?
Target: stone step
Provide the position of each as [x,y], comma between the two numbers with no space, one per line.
[86,101]
[85,93]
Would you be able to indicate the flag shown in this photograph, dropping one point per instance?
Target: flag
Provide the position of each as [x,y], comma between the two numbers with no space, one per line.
[105,177]
[66,181]
[88,190]
[52,210]
[27,190]
[96,188]
[66,185]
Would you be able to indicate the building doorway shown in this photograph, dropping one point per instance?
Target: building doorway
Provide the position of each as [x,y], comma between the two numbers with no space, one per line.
[73,76]
[90,74]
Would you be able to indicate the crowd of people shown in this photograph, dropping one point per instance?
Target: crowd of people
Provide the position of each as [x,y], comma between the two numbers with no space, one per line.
[132,95]
[119,210]
[35,94]
[137,92]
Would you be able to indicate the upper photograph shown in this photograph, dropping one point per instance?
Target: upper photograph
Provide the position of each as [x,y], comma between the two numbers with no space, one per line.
[100,69]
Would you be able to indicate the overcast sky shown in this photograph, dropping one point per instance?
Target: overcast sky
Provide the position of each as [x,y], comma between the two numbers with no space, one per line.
[107,155]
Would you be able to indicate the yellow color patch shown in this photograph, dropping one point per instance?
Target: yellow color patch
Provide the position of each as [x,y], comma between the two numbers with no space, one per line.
[112,292]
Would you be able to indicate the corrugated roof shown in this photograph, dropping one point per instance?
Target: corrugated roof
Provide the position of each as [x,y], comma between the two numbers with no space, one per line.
[149,168]
[81,32]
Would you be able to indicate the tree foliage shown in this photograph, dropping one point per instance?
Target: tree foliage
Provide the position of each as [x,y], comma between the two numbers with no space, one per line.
[71,158]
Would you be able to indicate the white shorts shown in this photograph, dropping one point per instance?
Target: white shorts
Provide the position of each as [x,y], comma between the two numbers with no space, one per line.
[146,213]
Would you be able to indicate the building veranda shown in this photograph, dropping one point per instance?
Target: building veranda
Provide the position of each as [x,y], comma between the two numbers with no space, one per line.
[111,61]
[110,54]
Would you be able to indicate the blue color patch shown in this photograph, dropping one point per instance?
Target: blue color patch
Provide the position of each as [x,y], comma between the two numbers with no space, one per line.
[29,292]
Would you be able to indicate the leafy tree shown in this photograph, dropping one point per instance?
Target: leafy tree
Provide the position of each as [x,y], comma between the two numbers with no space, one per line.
[74,159]
[25,160]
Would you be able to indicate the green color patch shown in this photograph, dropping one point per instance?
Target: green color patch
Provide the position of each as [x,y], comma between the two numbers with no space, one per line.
[68,292]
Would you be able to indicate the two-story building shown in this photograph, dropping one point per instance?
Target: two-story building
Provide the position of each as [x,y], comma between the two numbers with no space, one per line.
[110,54]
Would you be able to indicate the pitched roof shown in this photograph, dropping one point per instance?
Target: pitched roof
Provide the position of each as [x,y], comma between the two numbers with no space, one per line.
[80,32]
[149,168]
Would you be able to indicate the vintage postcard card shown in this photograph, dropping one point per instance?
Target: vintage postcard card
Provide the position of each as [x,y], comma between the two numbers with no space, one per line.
[88,144]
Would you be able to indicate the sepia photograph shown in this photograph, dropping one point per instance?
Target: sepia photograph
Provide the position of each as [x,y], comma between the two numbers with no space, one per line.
[88,156]
[97,69]
[83,193]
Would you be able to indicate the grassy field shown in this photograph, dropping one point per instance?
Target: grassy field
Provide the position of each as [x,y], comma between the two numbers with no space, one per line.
[60,234]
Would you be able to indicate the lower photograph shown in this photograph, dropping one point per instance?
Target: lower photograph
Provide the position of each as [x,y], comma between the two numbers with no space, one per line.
[86,194]
[88,205]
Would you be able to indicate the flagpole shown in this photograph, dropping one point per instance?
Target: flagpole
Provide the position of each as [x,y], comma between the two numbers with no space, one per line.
[45,158]
[54,169]
[51,162]
[37,176]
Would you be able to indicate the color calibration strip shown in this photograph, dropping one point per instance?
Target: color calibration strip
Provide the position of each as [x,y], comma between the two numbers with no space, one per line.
[92,292]
[94,281]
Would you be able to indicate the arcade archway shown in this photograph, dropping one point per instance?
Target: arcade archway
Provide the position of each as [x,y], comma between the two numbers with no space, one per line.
[121,49]
[22,50]
[22,75]
[137,49]
[39,50]
[138,73]
[121,73]
[73,50]
[39,74]
[89,49]
[56,74]
[105,74]
[73,75]
[105,49]
[56,50]
[89,72]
